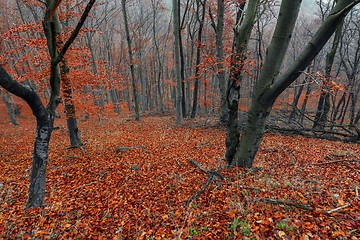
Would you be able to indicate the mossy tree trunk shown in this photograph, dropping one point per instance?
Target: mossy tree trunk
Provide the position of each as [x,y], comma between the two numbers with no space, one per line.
[270,85]
[241,39]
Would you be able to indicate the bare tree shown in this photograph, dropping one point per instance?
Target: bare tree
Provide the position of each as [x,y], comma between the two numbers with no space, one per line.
[270,84]
[44,115]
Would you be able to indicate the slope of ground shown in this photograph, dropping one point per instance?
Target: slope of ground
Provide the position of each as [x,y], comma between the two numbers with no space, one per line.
[302,188]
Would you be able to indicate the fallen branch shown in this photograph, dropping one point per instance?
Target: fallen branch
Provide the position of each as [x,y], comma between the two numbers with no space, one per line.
[198,193]
[338,208]
[84,185]
[213,175]
[346,205]
[203,145]
[336,161]
[122,149]
[76,146]
[287,202]
[198,165]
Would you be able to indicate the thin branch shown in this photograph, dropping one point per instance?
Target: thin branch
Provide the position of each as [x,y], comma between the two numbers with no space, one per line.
[336,161]
[84,185]
[74,33]
[338,208]
[198,193]
[213,175]
[287,202]
[198,165]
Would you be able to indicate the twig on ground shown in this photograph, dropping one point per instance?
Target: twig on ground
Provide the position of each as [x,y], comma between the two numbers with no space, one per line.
[103,174]
[346,205]
[212,175]
[122,149]
[203,145]
[76,146]
[84,185]
[338,208]
[287,202]
[336,161]
[311,181]
[198,193]
[198,165]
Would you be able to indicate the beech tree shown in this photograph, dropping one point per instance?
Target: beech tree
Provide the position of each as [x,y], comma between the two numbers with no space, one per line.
[271,84]
[44,115]
[179,83]
[131,61]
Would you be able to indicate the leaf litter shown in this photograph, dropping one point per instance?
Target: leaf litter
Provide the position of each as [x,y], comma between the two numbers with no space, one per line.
[301,188]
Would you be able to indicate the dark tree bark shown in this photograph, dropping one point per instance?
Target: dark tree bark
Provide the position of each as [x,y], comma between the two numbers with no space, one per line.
[9,107]
[178,92]
[70,107]
[44,115]
[323,108]
[241,38]
[198,54]
[269,85]
[131,61]
[219,30]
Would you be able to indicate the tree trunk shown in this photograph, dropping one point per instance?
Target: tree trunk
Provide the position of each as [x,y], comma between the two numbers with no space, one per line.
[241,39]
[252,135]
[36,195]
[70,107]
[132,70]
[259,109]
[219,30]
[178,95]
[9,108]
[323,108]
[304,104]
[297,95]
[182,62]
[269,85]
[198,54]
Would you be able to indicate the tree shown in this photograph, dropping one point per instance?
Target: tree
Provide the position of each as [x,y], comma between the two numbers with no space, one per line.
[44,114]
[131,61]
[10,109]
[198,52]
[241,39]
[323,108]
[270,84]
[178,95]
[219,29]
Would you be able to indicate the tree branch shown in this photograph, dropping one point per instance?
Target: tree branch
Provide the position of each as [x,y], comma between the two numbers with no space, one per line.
[336,161]
[74,33]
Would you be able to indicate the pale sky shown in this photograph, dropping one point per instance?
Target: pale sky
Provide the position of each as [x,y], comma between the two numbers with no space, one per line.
[308,7]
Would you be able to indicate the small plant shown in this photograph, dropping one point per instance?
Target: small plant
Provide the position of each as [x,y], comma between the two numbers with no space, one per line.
[284,226]
[244,226]
[192,232]
[171,188]
[194,205]
[234,225]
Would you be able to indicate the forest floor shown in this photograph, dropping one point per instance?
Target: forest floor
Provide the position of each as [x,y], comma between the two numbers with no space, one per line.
[301,189]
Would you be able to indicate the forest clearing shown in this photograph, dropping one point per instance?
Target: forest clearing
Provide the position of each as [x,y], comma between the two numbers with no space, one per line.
[299,187]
